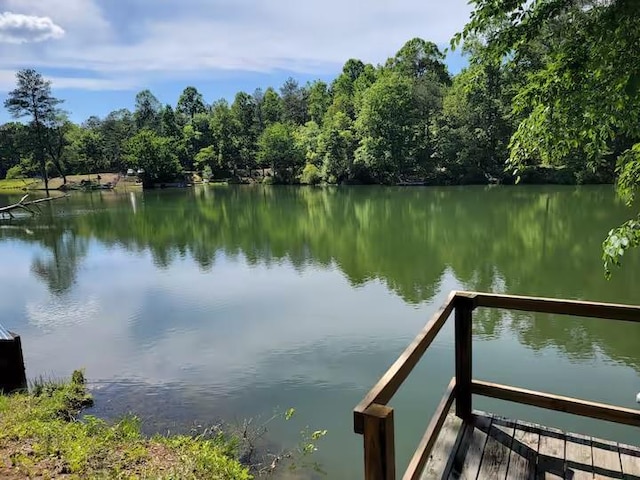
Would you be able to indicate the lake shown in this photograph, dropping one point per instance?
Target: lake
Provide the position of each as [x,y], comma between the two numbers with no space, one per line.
[189,306]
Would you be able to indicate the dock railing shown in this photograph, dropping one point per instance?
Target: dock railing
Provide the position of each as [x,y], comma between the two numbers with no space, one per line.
[373,418]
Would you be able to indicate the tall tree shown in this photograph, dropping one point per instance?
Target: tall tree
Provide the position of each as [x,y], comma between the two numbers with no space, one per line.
[57,141]
[155,155]
[319,99]
[14,145]
[473,130]
[419,58]
[190,103]
[92,151]
[116,129]
[148,110]
[32,97]
[385,126]
[342,88]
[294,102]
[258,99]
[271,107]
[170,127]
[277,147]
[338,145]
[224,137]
[244,111]
[343,84]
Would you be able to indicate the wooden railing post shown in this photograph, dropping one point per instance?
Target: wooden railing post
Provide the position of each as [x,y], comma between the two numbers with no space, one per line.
[379,450]
[12,373]
[464,306]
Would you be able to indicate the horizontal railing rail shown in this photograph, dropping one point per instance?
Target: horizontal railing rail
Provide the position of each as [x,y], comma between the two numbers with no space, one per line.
[373,418]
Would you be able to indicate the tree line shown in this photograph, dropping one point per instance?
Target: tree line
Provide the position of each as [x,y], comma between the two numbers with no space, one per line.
[405,121]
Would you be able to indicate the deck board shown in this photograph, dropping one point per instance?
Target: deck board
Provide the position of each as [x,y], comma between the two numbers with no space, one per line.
[606,459]
[579,457]
[467,459]
[630,459]
[524,452]
[551,454]
[495,458]
[439,458]
[495,447]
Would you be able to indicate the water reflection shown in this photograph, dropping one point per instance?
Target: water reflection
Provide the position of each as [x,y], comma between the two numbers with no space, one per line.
[541,241]
[232,301]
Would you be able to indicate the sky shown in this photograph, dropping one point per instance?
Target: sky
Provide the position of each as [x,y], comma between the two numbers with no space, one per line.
[100,53]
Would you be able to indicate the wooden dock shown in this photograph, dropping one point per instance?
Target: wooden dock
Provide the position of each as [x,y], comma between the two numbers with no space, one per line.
[491,447]
[463,443]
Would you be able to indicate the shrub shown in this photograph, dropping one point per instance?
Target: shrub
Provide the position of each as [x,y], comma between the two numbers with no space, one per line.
[310,175]
[14,173]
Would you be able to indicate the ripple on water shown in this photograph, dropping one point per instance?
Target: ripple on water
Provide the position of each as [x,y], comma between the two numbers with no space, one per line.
[58,312]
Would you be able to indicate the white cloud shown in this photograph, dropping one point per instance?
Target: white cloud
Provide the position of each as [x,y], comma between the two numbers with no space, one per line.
[97,84]
[8,82]
[197,38]
[17,28]
[83,20]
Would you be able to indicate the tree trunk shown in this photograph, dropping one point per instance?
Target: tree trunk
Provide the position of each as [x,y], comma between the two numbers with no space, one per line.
[45,177]
[41,152]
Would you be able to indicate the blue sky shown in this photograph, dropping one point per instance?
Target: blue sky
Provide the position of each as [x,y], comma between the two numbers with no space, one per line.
[99,53]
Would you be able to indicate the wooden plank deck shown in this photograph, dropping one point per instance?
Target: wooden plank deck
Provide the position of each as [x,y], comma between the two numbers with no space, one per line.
[493,447]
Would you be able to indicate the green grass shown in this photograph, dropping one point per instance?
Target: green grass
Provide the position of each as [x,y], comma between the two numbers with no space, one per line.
[42,436]
[18,183]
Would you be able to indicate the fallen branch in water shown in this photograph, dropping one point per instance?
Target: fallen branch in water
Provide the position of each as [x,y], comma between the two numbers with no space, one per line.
[21,204]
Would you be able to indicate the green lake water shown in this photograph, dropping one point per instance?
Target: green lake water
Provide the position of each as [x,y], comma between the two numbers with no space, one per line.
[223,303]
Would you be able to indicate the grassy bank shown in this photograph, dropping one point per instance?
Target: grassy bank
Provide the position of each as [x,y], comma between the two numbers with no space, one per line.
[42,436]
[54,182]
[18,184]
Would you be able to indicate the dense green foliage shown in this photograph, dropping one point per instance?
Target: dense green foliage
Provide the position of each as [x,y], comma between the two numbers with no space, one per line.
[43,436]
[406,121]
[154,156]
[32,98]
[578,101]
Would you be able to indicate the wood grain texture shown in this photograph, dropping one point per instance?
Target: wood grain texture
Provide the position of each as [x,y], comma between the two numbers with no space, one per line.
[467,460]
[630,460]
[444,449]
[379,450]
[495,458]
[601,411]
[420,457]
[534,450]
[579,457]
[463,354]
[524,452]
[606,459]
[551,455]
[576,308]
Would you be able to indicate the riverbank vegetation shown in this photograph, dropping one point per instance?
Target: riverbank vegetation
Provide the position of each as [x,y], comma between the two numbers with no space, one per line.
[43,436]
[44,433]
